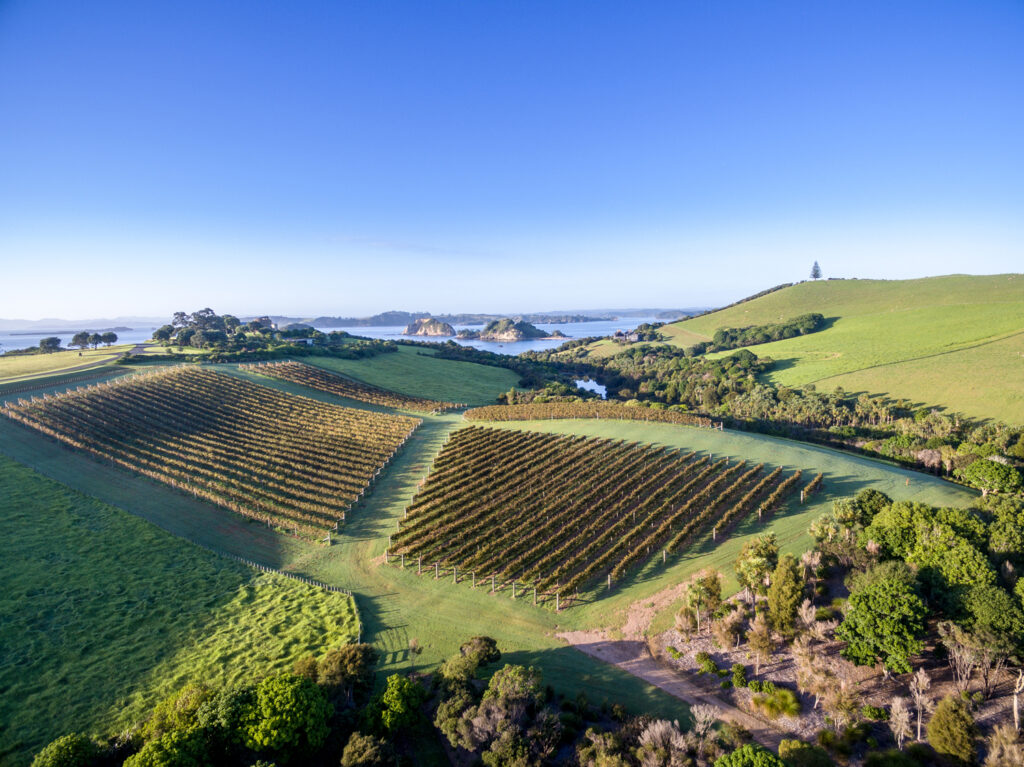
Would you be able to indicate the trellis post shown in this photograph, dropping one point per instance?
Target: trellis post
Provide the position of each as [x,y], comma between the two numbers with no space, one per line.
[513,589]
[419,565]
[492,583]
[455,574]
[437,570]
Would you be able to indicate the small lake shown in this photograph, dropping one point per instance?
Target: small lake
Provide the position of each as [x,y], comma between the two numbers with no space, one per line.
[592,386]
[570,329]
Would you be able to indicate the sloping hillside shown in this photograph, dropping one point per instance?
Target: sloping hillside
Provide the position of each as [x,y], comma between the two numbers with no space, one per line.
[956,341]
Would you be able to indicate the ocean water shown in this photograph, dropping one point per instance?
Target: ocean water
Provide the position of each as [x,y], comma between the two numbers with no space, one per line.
[19,340]
[570,329]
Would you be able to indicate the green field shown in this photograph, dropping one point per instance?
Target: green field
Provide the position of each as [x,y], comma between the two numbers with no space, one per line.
[955,341]
[417,372]
[104,614]
[398,606]
[24,368]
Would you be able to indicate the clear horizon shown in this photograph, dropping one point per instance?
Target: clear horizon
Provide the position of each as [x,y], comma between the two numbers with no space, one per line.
[345,159]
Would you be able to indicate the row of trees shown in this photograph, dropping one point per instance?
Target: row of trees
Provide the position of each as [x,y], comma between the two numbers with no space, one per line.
[326,712]
[82,340]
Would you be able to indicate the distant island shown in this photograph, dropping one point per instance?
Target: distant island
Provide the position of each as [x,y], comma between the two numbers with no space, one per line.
[428,326]
[393,318]
[509,331]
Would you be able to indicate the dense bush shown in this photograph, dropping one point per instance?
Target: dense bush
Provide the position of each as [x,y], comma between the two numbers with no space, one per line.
[74,750]
[952,730]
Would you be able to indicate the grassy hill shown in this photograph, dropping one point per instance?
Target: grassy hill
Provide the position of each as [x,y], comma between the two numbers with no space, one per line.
[105,614]
[955,341]
[417,372]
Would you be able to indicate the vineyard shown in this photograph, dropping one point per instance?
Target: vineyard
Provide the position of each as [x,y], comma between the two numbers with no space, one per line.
[538,411]
[318,378]
[560,513]
[285,460]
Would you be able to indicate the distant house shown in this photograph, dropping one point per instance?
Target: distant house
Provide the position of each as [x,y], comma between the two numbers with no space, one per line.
[304,341]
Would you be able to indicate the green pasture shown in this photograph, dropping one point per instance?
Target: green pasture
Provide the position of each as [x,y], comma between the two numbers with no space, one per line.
[395,606]
[398,606]
[28,367]
[414,370]
[950,341]
[104,614]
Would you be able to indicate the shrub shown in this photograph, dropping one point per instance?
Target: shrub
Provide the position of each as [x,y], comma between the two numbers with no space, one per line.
[725,684]
[739,675]
[796,753]
[750,756]
[673,652]
[74,750]
[290,713]
[778,703]
[705,663]
[952,731]
[874,713]
[366,751]
[891,758]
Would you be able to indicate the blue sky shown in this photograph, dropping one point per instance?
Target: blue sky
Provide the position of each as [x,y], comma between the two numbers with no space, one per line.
[350,157]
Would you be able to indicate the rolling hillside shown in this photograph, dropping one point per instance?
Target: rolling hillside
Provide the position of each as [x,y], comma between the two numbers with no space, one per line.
[955,341]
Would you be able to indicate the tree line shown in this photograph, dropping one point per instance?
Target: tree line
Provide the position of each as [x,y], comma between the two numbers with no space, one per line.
[326,711]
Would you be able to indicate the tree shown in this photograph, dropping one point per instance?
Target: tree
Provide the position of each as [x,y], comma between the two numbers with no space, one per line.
[704,718]
[755,563]
[920,683]
[952,729]
[80,339]
[784,595]
[290,713]
[95,339]
[815,271]
[882,624]
[172,749]
[899,720]
[74,750]
[398,706]
[1004,748]
[759,637]
[163,333]
[483,649]
[50,344]
[750,756]
[176,712]
[366,751]
[109,338]
[703,593]
[961,653]
[347,670]
[992,477]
